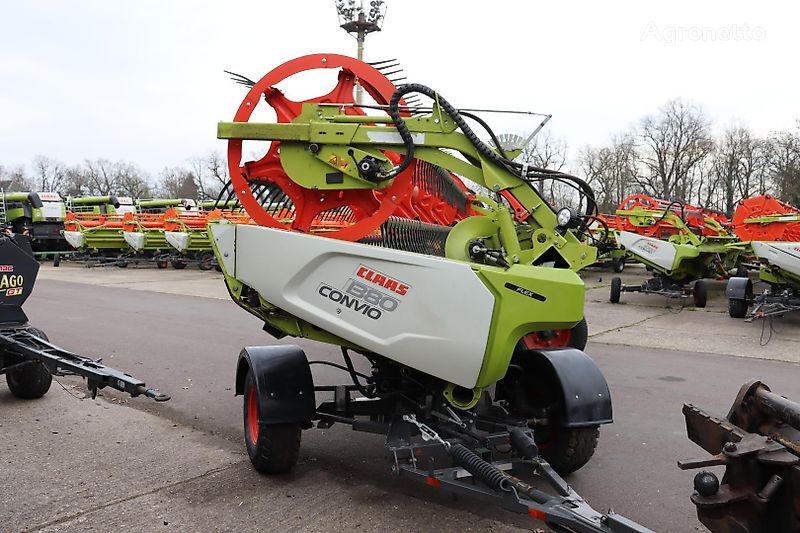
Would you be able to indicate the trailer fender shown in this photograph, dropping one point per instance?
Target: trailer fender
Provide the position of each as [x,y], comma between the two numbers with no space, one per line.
[587,400]
[284,385]
[739,288]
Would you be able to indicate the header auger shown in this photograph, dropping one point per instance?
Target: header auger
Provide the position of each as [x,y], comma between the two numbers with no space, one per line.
[433,282]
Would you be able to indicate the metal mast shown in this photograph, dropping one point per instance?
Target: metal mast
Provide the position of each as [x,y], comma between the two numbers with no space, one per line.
[358,22]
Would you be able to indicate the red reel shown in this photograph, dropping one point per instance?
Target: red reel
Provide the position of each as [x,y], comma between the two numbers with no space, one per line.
[364,210]
[787,231]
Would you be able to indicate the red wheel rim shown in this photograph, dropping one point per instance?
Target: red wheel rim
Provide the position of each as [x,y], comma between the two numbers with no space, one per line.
[369,210]
[557,338]
[252,416]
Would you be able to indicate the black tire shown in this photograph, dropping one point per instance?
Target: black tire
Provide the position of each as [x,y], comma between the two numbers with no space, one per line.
[56,259]
[23,225]
[579,335]
[177,264]
[121,263]
[162,263]
[206,261]
[742,272]
[571,448]
[32,380]
[274,448]
[616,290]
[533,391]
[737,308]
[618,264]
[648,268]
[700,293]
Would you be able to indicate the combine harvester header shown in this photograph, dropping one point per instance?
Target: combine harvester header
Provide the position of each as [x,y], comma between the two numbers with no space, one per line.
[681,243]
[467,306]
[773,229]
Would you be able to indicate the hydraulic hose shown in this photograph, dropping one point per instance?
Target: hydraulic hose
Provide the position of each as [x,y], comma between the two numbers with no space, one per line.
[496,156]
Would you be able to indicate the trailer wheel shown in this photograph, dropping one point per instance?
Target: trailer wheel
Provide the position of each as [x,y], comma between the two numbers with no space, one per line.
[616,290]
[30,381]
[533,391]
[618,264]
[272,448]
[162,263]
[737,308]
[206,261]
[178,264]
[700,293]
[571,448]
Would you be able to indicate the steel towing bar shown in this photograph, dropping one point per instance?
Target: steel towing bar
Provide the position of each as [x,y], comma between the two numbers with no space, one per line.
[59,362]
[563,512]
[568,513]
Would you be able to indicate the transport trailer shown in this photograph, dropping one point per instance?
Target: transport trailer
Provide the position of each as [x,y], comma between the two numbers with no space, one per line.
[678,242]
[676,263]
[27,357]
[780,271]
[773,227]
[464,410]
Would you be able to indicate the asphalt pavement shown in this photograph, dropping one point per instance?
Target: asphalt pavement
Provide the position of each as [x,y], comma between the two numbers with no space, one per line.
[76,464]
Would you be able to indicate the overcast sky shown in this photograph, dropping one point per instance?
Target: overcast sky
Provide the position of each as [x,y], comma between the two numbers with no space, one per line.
[142,81]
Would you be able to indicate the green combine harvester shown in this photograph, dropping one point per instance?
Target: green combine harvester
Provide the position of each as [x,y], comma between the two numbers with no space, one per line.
[101,205]
[39,215]
[160,205]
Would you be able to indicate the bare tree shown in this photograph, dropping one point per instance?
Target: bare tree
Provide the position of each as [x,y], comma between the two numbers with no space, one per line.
[178,182]
[611,171]
[103,177]
[739,167]
[130,180]
[217,174]
[211,175]
[49,175]
[783,155]
[672,143]
[547,151]
[19,181]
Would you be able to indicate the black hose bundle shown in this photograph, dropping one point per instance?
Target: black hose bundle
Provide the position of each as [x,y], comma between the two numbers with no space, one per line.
[498,157]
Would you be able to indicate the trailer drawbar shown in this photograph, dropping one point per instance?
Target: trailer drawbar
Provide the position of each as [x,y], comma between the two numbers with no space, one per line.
[27,358]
